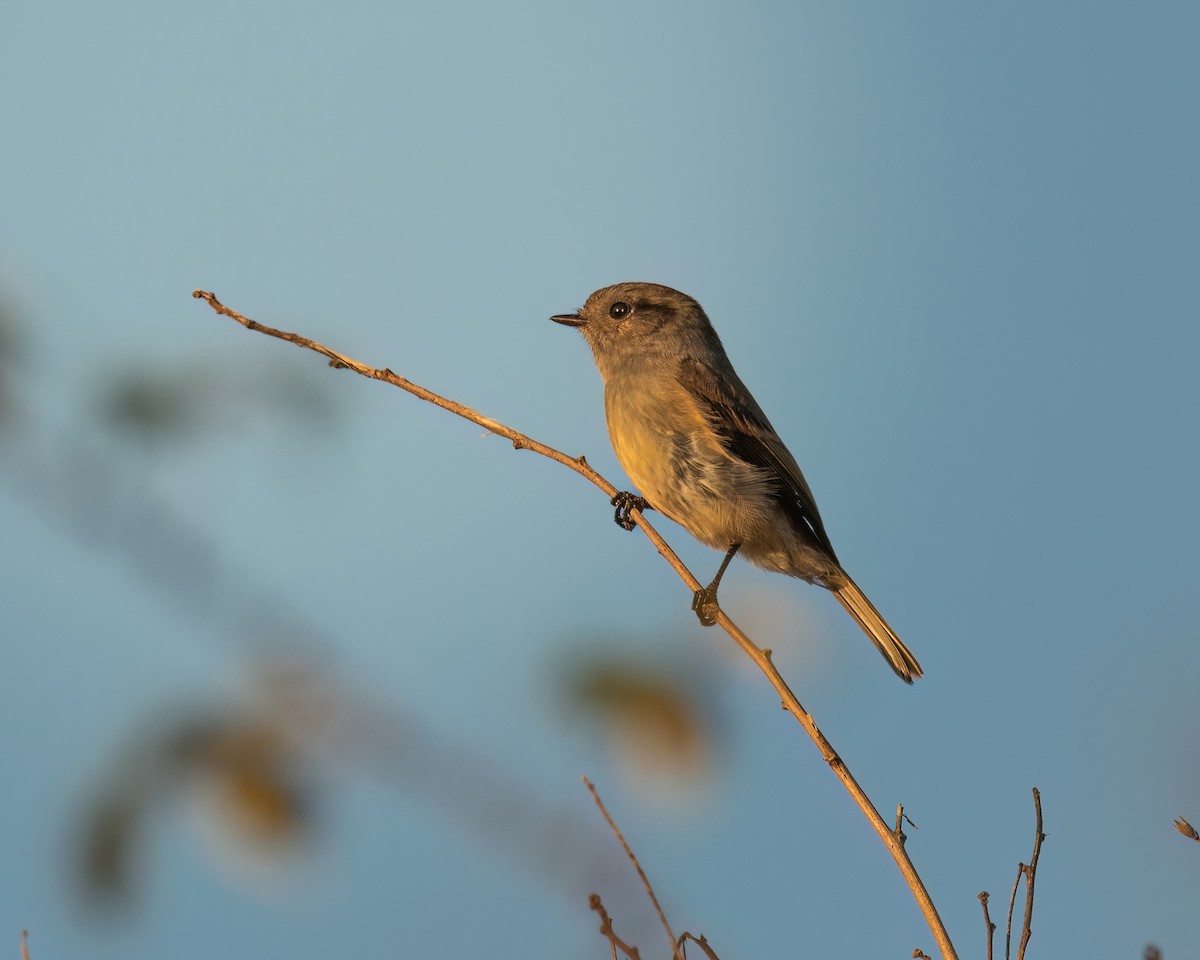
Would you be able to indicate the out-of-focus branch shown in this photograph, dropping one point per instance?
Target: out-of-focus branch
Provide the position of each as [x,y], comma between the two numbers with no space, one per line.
[761,656]
[606,929]
[662,917]
[1187,829]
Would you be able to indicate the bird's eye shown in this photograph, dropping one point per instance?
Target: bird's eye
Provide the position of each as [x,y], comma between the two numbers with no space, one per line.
[619,309]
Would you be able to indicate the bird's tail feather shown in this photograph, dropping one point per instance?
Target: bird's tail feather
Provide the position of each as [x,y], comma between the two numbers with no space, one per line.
[874,626]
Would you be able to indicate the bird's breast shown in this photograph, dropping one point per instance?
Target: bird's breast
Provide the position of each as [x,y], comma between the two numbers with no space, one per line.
[676,460]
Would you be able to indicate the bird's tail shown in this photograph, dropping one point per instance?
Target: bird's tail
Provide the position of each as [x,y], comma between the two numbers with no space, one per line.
[874,626]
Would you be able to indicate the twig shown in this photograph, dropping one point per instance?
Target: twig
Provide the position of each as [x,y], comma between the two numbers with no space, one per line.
[761,657]
[24,945]
[1029,872]
[700,941]
[637,866]
[606,928]
[901,819]
[1031,875]
[987,921]
[1012,903]
[1186,829]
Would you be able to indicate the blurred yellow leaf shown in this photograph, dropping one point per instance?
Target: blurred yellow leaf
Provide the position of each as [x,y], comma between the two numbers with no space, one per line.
[659,727]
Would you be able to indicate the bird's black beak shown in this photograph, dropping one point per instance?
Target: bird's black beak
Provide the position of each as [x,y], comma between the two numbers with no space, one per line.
[569,319]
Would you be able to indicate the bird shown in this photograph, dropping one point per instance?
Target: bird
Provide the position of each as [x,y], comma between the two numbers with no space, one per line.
[700,450]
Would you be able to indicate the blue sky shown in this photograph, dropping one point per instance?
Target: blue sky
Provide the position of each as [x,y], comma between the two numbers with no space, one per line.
[952,248]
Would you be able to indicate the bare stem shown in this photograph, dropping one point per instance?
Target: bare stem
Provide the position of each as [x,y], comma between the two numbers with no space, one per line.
[761,657]
[700,941]
[606,928]
[1012,903]
[1029,872]
[662,917]
[987,922]
[1031,875]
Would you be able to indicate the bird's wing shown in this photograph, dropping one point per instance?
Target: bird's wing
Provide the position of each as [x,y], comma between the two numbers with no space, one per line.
[746,433]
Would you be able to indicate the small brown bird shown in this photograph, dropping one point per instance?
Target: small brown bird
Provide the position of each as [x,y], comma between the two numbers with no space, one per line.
[702,452]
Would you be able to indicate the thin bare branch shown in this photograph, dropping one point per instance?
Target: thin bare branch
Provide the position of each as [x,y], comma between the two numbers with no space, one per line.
[1029,872]
[662,917]
[987,922]
[700,941]
[1031,875]
[606,928]
[1012,904]
[24,945]
[761,657]
[1186,829]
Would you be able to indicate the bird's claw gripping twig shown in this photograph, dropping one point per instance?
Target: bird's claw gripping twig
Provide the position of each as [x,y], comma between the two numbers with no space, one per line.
[704,603]
[624,502]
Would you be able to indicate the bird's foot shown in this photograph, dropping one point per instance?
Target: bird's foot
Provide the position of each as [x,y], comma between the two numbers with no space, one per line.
[704,603]
[624,502]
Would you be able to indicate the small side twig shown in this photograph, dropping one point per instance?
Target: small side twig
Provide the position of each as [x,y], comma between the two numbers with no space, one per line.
[1031,875]
[1186,829]
[1029,872]
[606,928]
[662,917]
[700,941]
[24,945]
[1012,903]
[987,922]
[901,819]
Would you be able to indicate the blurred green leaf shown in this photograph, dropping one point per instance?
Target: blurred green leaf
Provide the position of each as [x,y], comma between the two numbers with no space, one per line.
[158,402]
[150,404]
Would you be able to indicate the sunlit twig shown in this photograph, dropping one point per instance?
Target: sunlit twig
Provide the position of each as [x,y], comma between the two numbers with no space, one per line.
[662,917]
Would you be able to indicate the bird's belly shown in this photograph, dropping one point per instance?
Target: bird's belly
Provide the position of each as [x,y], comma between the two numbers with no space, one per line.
[679,465]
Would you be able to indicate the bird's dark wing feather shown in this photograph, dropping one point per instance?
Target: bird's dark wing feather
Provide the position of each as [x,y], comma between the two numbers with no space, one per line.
[746,433]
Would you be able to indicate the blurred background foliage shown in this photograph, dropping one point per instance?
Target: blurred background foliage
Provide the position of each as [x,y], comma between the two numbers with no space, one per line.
[260,758]
[249,768]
